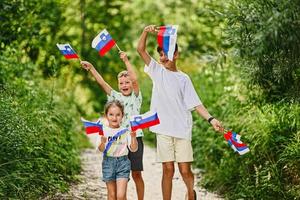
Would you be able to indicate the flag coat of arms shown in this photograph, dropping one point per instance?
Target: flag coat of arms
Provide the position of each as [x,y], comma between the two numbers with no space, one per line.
[67,51]
[103,42]
[166,39]
[234,140]
[92,127]
[144,121]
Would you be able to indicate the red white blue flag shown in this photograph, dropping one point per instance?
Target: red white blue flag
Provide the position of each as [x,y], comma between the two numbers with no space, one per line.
[234,140]
[144,121]
[166,39]
[67,51]
[92,127]
[103,42]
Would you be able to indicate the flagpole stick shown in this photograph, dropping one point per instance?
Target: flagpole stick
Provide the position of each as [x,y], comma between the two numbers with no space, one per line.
[118,47]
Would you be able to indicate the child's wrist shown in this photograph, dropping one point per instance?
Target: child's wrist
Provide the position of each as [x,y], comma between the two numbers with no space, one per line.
[210,119]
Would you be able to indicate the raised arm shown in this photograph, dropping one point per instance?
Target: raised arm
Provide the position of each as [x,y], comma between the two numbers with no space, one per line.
[104,85]
[202,111]
[132,75]
[141,48]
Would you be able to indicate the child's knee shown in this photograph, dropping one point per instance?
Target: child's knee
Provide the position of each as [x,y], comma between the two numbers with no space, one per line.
[186,173]
[168,170]
[136,175]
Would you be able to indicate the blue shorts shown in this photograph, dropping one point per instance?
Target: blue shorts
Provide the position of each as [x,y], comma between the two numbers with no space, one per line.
[114,168]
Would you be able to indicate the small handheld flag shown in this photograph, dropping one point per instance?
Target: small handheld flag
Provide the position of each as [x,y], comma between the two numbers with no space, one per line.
[234,140]
[92,127]
[103,42]
[166,39]
[67,51]
[144,121]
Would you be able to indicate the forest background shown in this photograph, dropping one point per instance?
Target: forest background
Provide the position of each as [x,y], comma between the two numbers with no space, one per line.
[243,57]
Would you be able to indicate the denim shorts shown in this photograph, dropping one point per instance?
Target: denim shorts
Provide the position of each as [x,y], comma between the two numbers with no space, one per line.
[114,168]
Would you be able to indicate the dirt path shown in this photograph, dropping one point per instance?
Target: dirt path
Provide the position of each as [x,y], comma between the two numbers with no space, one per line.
[91,186]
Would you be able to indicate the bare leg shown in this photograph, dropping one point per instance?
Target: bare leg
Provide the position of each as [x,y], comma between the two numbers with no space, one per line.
[111,190]
[188,178]
[167,177]
[139,184]
[121,188]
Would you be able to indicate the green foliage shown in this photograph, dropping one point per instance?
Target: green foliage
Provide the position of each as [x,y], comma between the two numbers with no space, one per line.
[38,133]
[271,169]
[42,94]
[266,34]
[31,26]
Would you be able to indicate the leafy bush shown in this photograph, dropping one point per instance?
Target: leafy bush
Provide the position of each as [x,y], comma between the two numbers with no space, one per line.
[266,33]
[40,143]
[271,169]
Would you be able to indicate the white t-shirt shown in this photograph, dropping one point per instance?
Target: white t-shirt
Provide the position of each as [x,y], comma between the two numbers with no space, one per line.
[119,146]
[173,98]
[132,106]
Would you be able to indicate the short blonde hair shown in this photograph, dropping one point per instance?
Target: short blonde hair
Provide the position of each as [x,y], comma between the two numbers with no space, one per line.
[123,73]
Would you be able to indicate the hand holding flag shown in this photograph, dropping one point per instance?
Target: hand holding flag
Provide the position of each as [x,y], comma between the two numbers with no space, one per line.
[151,29]
[92,127]
[144,121]
[103,42]
[67,51]
[234,140]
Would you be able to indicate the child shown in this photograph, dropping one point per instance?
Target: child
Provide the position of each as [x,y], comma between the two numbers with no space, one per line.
[131,98]
[115,164]
[173,98]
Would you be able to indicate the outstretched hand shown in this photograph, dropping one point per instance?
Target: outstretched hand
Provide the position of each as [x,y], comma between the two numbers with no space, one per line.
[86,65]
[123,56]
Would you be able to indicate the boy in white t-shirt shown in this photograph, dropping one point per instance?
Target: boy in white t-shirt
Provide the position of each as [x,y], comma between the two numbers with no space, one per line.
[130,96]
[173,98]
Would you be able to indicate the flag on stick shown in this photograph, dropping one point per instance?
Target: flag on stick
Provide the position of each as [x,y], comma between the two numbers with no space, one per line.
[103,42]
[67,51]
[144,121]
[92,127]
[234,140]
[166,39]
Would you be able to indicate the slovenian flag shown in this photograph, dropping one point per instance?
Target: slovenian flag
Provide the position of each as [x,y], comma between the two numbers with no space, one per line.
[67,51]
[103,42]
[234,140]
[92,127]
[144,121]
[166,39]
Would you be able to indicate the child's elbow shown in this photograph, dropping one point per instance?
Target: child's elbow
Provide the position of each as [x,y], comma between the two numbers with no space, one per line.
[140,50]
